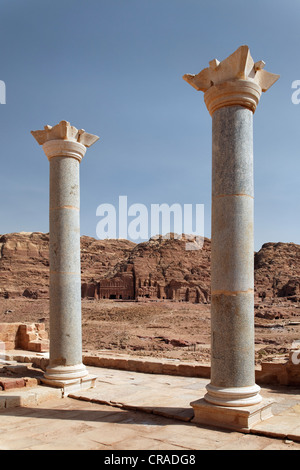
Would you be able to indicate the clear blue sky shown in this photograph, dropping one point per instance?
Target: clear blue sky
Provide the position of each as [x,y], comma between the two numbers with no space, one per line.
[114,68]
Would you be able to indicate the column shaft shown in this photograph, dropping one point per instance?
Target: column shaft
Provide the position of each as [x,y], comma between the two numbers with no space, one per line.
[65,276]
[232,258]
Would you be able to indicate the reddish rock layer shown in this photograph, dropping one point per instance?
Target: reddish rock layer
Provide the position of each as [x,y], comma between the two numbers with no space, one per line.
[157,269]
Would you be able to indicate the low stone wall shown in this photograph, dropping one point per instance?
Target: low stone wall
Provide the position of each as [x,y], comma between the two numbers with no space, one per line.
[268,373]
[281,372]
[26,336]
[8,335]
[148,365]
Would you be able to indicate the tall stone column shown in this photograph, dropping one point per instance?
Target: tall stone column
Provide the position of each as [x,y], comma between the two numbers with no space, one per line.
[232,89]
[65,147]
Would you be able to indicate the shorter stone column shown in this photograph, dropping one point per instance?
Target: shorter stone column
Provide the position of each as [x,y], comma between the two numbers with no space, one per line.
[65,147]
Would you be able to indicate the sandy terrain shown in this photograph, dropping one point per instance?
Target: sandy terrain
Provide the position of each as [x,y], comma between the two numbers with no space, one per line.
[161,329]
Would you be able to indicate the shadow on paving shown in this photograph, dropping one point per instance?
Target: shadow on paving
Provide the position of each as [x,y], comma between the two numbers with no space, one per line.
[117,415]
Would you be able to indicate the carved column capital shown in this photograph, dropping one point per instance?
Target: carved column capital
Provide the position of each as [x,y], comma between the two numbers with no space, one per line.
[236,81]
[64,140]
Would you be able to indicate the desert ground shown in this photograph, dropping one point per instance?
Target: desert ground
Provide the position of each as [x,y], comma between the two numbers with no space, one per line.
[166,329]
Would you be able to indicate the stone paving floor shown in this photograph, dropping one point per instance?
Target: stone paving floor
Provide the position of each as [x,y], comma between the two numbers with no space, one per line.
[68,424]
[136,411]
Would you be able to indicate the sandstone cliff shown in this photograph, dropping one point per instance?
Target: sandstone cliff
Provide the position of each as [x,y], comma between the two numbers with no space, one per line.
[24,262]
[157,269]
[277,271]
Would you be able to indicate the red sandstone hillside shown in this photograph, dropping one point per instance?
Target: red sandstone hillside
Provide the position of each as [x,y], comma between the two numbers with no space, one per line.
[24,262]
[157,269]
[165,269]
[277,271]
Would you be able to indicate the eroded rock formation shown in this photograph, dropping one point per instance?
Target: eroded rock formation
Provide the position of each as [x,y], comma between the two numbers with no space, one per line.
[157,269]
[277,271]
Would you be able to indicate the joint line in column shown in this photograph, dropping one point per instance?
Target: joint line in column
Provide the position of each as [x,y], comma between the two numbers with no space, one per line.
[64,207]
[230,195]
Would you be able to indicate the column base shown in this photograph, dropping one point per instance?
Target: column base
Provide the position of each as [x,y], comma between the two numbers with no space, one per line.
[235,418]
[69,378]
[233,396]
